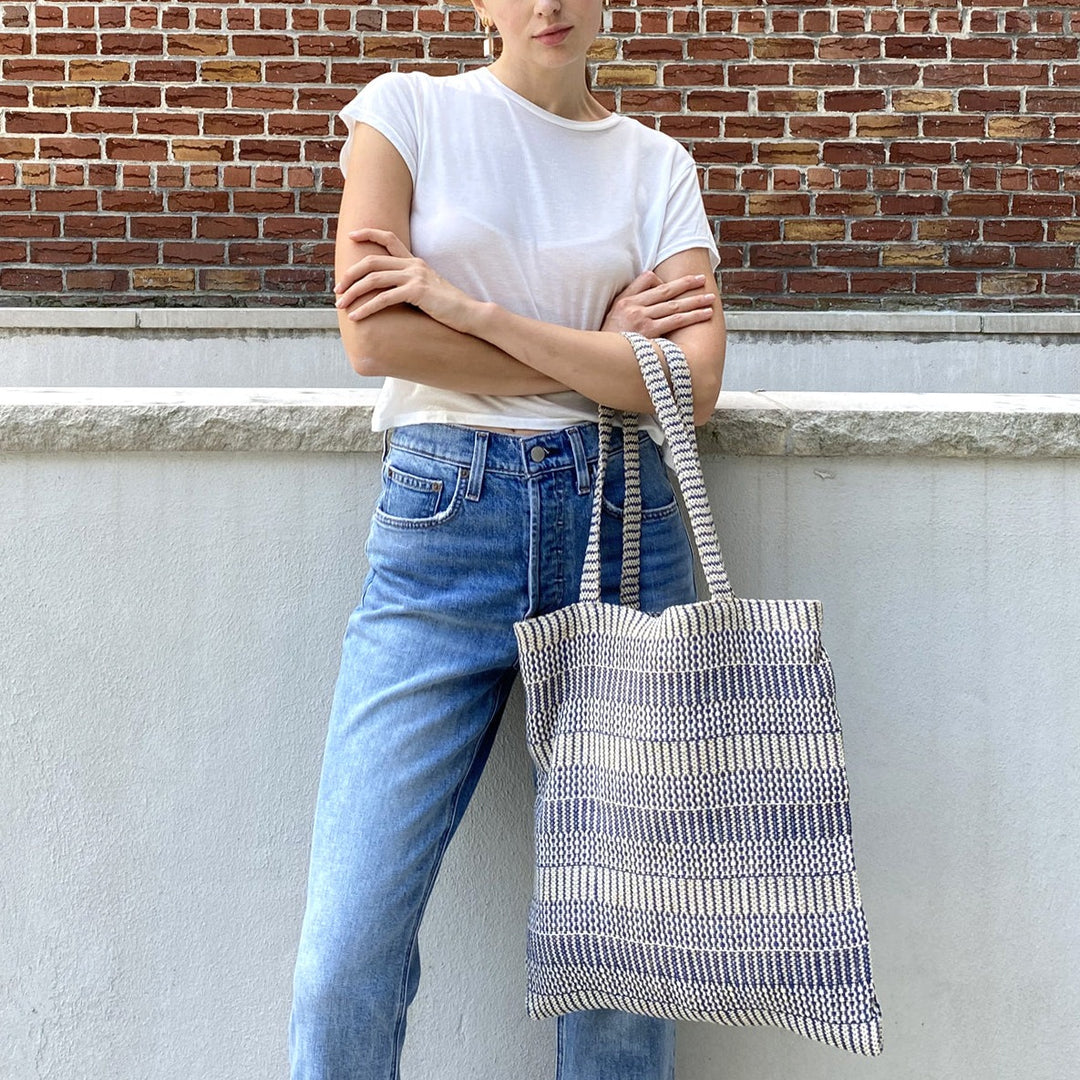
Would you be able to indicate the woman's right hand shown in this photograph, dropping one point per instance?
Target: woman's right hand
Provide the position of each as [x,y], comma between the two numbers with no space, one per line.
[655,308]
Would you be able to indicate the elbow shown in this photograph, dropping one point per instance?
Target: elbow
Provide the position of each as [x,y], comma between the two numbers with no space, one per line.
[703,411]
[705,394]
[362,346]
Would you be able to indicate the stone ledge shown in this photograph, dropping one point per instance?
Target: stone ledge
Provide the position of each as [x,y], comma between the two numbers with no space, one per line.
[95,419]
[325,319]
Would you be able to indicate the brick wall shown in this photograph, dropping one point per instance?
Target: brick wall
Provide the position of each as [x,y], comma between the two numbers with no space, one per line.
[918,154]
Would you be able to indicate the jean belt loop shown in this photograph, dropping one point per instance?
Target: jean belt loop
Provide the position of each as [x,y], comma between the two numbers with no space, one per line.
[581,462]
[476,469]
[386,442]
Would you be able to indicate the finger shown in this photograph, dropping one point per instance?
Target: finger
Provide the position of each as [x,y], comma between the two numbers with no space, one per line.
[382,279]
[385,299]
[356,273]
[682,303]
[668,290]
[388,239]
[666,325]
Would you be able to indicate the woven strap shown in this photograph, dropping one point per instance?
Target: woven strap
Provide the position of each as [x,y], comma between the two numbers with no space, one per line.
[629,580]
[674,406]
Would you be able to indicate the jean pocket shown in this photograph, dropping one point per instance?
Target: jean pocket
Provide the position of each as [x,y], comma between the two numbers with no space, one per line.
[657,495]
[418,492]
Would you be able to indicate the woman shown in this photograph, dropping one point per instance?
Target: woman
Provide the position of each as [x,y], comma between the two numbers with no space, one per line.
[497,229]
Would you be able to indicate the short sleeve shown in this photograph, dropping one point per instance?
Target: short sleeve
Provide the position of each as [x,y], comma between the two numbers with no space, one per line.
[388,104]
[686,224]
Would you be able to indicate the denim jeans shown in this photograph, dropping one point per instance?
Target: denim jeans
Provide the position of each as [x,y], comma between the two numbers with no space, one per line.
[473,530]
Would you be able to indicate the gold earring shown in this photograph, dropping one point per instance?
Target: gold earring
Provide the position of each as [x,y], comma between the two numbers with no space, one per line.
[489,48]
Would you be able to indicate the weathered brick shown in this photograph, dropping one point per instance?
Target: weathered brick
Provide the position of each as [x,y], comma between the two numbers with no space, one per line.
[626,75]
[163,278]
[913,255]
[815,229]
[1009,284]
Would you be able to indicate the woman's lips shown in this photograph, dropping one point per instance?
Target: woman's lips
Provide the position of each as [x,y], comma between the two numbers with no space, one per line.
[554,37]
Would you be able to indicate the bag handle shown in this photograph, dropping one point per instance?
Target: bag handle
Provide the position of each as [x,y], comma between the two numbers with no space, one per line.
[674,409]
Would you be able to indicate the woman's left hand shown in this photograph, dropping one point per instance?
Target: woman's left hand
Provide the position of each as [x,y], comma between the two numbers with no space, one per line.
[399,277]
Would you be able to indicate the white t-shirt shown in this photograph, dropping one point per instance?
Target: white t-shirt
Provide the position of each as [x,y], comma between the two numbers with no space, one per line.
[550,218]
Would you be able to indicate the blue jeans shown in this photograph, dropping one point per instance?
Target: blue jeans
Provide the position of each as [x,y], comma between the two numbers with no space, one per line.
[472,531]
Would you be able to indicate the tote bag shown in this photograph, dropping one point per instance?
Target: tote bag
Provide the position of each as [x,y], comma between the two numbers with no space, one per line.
[693,836]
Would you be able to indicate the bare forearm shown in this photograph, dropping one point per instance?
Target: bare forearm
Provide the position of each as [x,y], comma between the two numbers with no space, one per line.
[599,364]
[405,343]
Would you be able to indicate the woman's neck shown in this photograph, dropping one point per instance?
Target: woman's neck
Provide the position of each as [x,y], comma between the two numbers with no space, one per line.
[557,90]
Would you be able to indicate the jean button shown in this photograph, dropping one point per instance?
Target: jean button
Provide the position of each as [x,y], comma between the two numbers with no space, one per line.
[538,453]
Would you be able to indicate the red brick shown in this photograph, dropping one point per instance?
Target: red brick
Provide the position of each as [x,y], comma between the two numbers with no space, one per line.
[780,255]
[836,205]
[819,127]
[31,281]
[978,205]
[977,256]
[1000,152]
[757,75]
[954,74]
[754,127]
[889,74]
[817,282]
[911,204]
[984,101]
[199,253]
[881,229]
[1013,232]
[59,252]
[1044,206]
[783,48]
[944,282]
[981,48]
[735,152]
[851,101]
[718,48]
[749,231]
[36,123]
[953,127]
[853,153]
[1017,74]
[132,202]
[691,127]
[822,75]
[1033,48]
[752,282]
[883,281]
[127,44]
[199,202]
[848,255]
[786,101]
[921,47]
[1063,283]
[1046,258]
[90,148]
[11,227]
[1051,154]
[850,48]
[68,44]
[919,152]
[226,227]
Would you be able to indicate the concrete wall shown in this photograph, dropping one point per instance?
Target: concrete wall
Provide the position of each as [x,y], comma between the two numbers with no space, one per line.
[171,621]
[829,351]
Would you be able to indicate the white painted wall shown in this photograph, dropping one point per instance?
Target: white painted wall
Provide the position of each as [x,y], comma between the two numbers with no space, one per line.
[170,629]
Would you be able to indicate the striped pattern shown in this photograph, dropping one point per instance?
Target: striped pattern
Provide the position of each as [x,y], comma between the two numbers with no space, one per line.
[693,834]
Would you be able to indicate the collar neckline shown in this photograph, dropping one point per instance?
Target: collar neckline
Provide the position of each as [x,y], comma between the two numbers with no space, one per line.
[562,121]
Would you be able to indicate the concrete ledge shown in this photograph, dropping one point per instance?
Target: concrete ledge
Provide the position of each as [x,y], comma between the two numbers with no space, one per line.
[319,318]
[93,419]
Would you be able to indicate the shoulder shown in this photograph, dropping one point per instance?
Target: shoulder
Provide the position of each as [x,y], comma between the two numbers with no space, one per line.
[657,147]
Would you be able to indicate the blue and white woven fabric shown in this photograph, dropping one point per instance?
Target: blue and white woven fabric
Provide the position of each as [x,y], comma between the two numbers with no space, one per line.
[693,835]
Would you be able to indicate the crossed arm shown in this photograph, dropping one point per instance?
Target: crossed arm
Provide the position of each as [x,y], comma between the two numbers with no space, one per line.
[400,318]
